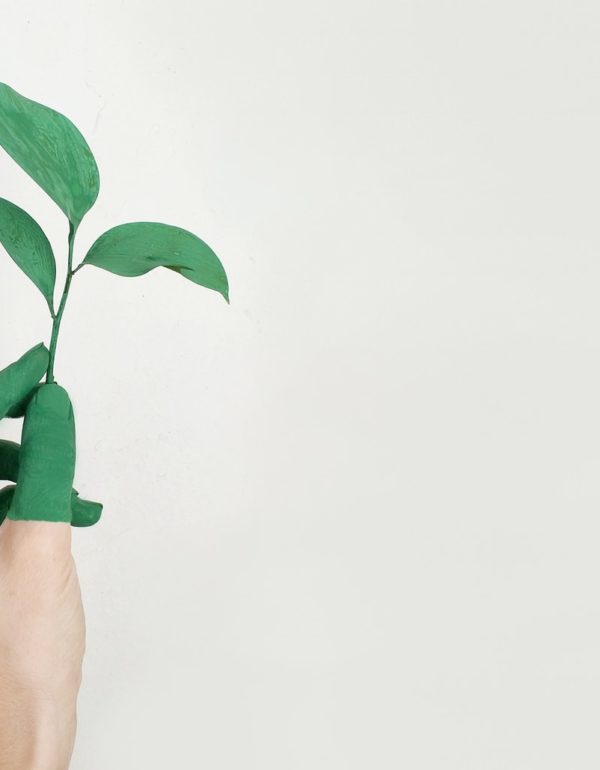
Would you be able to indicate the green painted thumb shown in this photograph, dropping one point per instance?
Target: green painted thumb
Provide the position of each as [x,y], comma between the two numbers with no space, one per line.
[47,462]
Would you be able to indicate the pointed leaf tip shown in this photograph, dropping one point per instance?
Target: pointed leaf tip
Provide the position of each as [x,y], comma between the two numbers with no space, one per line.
[52,150]
[136,248]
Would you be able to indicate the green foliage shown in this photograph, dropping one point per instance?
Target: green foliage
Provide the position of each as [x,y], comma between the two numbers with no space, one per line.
[51,150]
[138,247]
[26,243]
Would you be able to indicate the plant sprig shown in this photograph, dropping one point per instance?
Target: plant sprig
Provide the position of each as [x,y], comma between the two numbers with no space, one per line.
[50,148]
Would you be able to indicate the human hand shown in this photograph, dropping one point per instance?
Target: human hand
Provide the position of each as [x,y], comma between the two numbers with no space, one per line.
[42,629]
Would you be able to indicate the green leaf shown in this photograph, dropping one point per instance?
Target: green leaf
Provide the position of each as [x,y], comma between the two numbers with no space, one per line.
[51,150]
[26,243]
[138,247]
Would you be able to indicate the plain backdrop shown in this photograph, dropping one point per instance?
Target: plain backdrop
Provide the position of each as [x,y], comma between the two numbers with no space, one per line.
[352,520]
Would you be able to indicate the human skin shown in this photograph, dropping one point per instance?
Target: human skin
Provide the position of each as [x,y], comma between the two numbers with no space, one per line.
[42,643]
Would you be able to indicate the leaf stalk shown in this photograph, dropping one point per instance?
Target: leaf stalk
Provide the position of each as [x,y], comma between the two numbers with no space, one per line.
[57,318]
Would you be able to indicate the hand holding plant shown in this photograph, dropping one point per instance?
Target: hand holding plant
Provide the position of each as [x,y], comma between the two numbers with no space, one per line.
[55,155]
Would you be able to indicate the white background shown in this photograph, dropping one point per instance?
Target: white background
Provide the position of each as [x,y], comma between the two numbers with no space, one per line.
[352,520]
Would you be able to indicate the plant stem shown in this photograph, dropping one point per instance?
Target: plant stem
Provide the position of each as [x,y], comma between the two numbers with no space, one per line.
[61,307]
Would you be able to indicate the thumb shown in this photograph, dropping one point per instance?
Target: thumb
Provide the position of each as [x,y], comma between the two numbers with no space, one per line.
[47,463]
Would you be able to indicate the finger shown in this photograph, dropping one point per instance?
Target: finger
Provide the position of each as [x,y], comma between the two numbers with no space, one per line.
[45,543]
[6,496]
[19,409]
[9,460]
[47,461]
[84,513]
[18,380]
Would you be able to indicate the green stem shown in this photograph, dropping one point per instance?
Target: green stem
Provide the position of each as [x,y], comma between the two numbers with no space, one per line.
[61,307]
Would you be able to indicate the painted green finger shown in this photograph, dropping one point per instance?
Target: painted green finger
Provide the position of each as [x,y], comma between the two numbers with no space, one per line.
[19,409]
[18,380]
[47,461]
[84,513]
[6,496]
[9,460]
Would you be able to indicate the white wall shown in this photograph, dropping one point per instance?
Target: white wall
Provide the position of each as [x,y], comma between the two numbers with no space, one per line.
[352,520]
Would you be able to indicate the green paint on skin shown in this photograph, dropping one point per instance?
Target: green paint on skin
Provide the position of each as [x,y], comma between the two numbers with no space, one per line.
[18,410]
[84,513]
[9,460]
[47,461]
[19,383]
[6,496]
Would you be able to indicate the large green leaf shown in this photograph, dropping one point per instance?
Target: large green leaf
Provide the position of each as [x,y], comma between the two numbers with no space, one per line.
[51,150]
[138,247]
[26,243]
